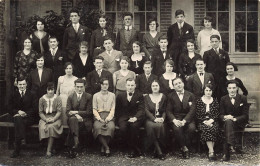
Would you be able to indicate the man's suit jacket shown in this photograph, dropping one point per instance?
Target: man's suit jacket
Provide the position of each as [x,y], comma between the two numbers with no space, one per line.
[124,46]
[80,70]
[126,109]
[27,103]
[37,87]
[239,110]
[143,85]
[56,65]
[181,110]
[93,81]
[158,61]
[71,40]
[84,106]
[177,41]
[195,86]
[111,63]
[216,64]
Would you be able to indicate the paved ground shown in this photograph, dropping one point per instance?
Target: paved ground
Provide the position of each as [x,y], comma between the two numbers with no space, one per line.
[35,156]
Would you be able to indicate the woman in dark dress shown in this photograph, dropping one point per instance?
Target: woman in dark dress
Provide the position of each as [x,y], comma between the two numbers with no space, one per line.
[166,78]
[137,59]
[24,61]
[150,39]
[155,110]
[98,35]
[187,60]
[40,37]
[104,110]
[207,114]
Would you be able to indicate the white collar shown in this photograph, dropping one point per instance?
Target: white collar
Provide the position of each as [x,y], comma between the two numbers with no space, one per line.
[109,51]
[200,72]
[129,92]
[77,25]
[231,78]
[22,91]
[180,92]
[165,49]
[147,75]
[55,49]
[134,57]
[79,94]
[203,98]
[180,24]
[98,70]
[232,96]
[130,27]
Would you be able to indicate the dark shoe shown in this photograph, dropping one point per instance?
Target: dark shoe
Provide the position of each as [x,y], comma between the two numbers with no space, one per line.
[47,156]
[72,153]
[134,155]
[23,142]
[108,153]
[186,154]
[212,156]
[225,157]
[161,156]
[102,152]
[15,154]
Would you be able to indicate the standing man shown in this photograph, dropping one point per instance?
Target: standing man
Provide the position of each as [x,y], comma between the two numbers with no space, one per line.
[178,33]
[127,35]
[234,114]
[130,114]
[73,35]
[180,112]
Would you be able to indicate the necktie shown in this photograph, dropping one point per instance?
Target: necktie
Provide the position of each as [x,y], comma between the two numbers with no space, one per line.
[180,94]
[99,73]
[147,77]
[75,28]
[216,50]
[130,96]
[128,29]
[22,94]
[79,97]
[180,29]
[233,100]
[108,52]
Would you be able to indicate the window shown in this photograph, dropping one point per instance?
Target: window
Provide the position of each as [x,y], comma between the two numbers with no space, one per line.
[237,22]
[142,11]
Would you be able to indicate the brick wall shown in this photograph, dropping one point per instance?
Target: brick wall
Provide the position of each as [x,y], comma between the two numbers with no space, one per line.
[199,12]
[165,15]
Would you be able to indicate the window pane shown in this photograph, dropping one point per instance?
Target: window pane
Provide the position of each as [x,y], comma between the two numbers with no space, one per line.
[213,15]
[122,5]
[240,5]
[223,21]
[225,41]
[252,42]
[211,5]
[240,21]
[223,5]
[140,21]
[240,42]
[252,23]
[110,5]
[151,5]
[139,5]
[252,5]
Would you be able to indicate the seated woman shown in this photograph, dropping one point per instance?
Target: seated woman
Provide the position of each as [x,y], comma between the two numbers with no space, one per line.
[104,110]
[120,76]
[207,114]
[166,79]
[66,87]
[137,59]
[50,123]
[155,110]
[187,60]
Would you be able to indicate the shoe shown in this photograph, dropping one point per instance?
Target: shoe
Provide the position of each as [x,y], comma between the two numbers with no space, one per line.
[134,155]
[15,154]
[225,157]
[186,154]
[161,156]
[212,156]
[102,152]
[108,153]
[72,153]
[23,142]
[48,155]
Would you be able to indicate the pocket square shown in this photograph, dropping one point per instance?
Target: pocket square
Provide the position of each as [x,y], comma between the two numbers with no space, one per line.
[190,103]
[137,101]
[187,32]
[117,59]
[241,104]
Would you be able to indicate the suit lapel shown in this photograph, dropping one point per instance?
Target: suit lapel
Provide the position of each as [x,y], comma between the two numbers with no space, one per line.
[43,76]
[185,99]
[206,78]
[197,79]
[37,76]
[57,54]
[237,101]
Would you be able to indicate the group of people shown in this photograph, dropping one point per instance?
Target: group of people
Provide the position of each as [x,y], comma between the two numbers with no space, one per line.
[130,81]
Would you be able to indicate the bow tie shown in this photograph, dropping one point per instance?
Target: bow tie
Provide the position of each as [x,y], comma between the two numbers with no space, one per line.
[201,74]
[232,98]
[180,93]
[130,94]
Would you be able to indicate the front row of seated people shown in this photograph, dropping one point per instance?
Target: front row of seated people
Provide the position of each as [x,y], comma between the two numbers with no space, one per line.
[131,109]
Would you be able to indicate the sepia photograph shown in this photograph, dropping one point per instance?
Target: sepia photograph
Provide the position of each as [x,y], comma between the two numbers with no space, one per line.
[130,82]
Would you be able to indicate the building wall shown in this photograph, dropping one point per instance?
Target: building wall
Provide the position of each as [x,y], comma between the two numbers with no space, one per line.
[165,15]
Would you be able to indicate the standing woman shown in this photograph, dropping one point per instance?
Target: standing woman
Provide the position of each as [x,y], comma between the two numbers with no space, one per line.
[150,39]
[155,110]
[204,35]
[24,61]
[137,59]
[50,123]
[120,76]
[207,114]
[104,110]
[166,78]
[40,37]
[187,60]
[98,35]
[66,87]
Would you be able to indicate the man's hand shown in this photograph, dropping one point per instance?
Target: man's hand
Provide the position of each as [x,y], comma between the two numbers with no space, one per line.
[49,120]
[177,123]
[80,119]
[22,113]
[230,117]
[159,120]
[183,122]
[132,120]
[73,113]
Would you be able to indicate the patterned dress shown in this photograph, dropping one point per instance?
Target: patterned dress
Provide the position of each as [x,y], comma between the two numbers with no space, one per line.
[24,64]
[205,112]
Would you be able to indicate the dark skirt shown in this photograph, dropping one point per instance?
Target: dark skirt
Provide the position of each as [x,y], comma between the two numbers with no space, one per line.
[209,133]
[154,131]
[102,128]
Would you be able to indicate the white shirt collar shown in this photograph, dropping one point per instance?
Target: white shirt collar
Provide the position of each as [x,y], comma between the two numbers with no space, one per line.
[77,25]
[129,92]
[99,70]
[55,50]
[200,72]
[109,51]
[180,92]
[180,24]
[147,75]
[23,91]
[130,27]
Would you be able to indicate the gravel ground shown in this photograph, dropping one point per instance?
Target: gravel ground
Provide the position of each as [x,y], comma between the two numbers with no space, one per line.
[35,156]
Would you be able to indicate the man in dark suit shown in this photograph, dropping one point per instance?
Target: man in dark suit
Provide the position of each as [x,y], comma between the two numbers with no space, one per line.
[199,79]
[80,115]
[93,78]
[216,60]
[130,115]
[83,63]
[39,77]
[54,59]
[234,113]
[178,33]
[22,106]
[159,56]
[144,81]
[180,112]
[73,35]
[127,35]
